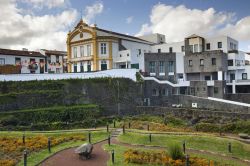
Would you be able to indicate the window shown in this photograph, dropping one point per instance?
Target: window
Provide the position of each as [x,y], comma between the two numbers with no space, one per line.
[161,67]
[127,54]
[208,46]
[120,55]
[139,51]
[170,49]
[88,50]
[171,66]
[164,92]
[75,52]
[216,90]
[152,67]
[213,61]
[191,48]
[103,48]
[57,59]
[155,92]
[190,63]
[2,61]
[231,46]
[182,48]
[18,61]
[201,62]
[82,51]
[244,76]
[196,48]
[230,62]
[159,50]
[219,44]
[49,59]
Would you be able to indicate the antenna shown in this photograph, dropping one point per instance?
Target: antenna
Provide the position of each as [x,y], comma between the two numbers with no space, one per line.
[81,14]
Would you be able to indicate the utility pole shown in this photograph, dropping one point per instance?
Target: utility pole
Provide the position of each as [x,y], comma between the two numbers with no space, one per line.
[118,97]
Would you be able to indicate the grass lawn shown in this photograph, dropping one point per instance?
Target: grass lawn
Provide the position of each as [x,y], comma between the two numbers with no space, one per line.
[119,158]
[35,157]
[209,143]
[119,151]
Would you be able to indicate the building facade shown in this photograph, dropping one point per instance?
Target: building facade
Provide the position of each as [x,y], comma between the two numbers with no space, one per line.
[55,61]
[92,49]
[21,62]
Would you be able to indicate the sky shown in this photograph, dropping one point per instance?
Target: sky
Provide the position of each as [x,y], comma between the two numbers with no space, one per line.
[36,24]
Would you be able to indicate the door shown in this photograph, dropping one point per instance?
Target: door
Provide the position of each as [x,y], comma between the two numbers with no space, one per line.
[89,68]
[41,66]
[75,68]
[103,66]
[81,68]
[232,77]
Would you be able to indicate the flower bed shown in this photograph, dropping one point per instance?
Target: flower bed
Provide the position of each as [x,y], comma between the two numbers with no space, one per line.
[161,158]
[12,148]
[142,125]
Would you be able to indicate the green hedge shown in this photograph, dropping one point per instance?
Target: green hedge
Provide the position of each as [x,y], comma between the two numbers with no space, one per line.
[79,115]
[233,127]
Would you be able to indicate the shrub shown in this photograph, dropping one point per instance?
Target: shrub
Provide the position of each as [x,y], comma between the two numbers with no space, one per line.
[175,152]
[9,121]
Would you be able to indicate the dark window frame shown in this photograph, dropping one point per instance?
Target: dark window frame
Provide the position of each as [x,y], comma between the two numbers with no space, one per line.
[244,76]
[208,46]
[219,44]
[213,61]
[202,60]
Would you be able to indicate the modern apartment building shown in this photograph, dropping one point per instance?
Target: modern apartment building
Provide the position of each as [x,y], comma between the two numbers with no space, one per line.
[208,67]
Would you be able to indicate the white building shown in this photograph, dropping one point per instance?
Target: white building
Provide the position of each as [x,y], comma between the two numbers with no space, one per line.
[92,49]
[54,60]
[21,61]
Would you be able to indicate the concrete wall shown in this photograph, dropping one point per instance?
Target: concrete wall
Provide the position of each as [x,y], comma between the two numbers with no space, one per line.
[177,47]
[203,103]
[165,58]
[221,62]
[241,97]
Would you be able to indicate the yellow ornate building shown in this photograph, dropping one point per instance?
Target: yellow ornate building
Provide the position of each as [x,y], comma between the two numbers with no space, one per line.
[92,49]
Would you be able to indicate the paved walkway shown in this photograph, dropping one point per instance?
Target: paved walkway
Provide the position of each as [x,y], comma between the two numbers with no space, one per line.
[67,157]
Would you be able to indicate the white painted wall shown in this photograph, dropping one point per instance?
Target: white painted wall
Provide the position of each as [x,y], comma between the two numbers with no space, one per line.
[225,43]
[85,36]
[10,59]
[165,47]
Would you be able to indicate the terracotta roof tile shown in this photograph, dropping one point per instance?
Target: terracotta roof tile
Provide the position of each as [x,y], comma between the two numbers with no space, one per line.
[20,53]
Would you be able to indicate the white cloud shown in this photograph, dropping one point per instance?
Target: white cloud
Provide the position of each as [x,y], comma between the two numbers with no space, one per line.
[90,12]
[20,30]
[46,3]
[129,19]
[179,22]
[240,30]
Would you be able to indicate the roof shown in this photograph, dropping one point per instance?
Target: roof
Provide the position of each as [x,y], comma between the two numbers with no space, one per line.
[193,36]
[20,53]
[54,52]
[123,35]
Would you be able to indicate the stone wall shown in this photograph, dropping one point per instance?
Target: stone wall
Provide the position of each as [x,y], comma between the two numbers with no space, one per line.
[100,91]
[240,97]
[203,103]
[188,113]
